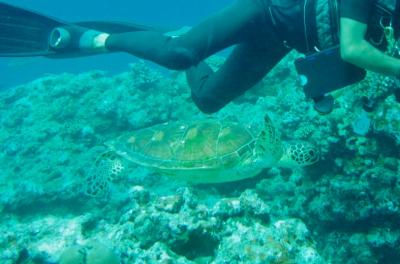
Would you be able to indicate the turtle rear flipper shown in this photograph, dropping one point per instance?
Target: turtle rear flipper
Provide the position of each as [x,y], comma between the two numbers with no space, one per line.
[106,168]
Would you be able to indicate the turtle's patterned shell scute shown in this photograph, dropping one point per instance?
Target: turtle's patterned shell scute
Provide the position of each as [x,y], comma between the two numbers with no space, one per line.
[208,144]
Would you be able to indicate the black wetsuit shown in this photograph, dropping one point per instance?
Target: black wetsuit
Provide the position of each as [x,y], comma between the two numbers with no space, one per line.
[262,31]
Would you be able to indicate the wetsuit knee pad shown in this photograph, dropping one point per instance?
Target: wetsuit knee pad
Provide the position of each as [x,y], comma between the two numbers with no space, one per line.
[207,104]
[203,93]
[179,58]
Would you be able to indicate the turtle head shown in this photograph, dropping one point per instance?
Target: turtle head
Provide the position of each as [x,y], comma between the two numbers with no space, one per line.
[299,154]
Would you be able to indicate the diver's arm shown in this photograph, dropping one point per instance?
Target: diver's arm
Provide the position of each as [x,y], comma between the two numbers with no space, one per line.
[355,49]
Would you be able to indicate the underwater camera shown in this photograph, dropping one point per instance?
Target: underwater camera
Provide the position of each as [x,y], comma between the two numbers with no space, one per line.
[323,72]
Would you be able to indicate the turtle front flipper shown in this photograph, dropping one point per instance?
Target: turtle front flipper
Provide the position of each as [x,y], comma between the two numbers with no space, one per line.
[269,147]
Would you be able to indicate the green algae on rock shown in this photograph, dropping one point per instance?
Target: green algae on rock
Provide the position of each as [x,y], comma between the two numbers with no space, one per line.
[92,253]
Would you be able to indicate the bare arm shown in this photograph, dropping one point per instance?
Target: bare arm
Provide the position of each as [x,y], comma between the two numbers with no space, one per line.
[358,51]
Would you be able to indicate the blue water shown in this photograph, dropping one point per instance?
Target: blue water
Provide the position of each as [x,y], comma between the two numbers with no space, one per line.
[61,190]
[153,12]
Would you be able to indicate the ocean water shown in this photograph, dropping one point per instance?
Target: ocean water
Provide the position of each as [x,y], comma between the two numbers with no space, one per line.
[94,160]
[172,14]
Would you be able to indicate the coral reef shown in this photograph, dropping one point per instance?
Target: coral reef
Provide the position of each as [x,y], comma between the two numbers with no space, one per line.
[343,209]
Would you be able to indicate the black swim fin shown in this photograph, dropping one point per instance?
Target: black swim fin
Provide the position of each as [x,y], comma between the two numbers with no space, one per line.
[25,33]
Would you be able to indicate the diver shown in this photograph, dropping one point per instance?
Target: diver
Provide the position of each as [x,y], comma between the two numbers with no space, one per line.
[261,31]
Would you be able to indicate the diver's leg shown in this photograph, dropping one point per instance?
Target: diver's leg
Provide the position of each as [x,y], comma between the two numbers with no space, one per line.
[246,66]
[232,25]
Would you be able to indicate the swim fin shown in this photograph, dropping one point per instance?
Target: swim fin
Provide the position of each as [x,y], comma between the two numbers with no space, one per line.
[25,33]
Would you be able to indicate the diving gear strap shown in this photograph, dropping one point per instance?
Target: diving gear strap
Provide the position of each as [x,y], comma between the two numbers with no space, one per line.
[392,32]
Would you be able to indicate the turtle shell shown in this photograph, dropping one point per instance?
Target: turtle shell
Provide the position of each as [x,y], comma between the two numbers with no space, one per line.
[208,146]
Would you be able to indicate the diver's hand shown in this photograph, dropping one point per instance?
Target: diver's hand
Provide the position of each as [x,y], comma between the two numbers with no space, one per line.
[358,51]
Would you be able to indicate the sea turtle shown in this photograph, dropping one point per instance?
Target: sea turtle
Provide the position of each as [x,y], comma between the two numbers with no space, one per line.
[207,151]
